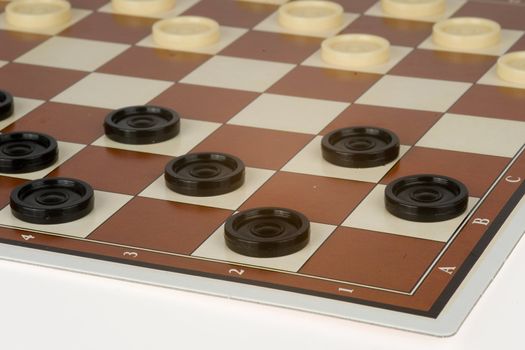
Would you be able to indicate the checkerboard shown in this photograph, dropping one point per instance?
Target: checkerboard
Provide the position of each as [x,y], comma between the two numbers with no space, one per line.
[263,94]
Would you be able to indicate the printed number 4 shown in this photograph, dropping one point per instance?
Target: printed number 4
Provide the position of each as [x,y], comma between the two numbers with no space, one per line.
[27,237]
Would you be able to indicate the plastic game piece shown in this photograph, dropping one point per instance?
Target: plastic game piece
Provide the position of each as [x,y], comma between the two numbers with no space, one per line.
[6,105]
[24,152]
[360,147]
[355,50]
[52,201]
[511,67]
[413,8]
[204,174]
[466,33]
[37,14]
[138,125]
[142,7]
[186,32]
[267,232]
[426,198]
[310,15]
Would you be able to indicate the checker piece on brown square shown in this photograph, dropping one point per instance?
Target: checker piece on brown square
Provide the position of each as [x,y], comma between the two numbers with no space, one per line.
[267,232]
[204,174]
[360,147]
[6,105]
[140,125]
[426,198]
[24,152]
[52,201]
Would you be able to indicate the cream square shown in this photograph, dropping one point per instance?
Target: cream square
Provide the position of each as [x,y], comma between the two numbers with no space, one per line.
[3,63]
[492,78]
[414,93]
[180,7]
[22,107]
[238,73]
[76,16]
[71,53]
[464,133]
[508,39]
[112,91]
[287,113]
[215,248]
[310,161]
[255,178]
[271,24]
[228,36]
[106,204]
[451,7]
[397,53]
[66,150]
[372,215]
[191,134]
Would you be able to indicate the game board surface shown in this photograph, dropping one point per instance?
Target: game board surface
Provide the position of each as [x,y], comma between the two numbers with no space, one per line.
[264,95]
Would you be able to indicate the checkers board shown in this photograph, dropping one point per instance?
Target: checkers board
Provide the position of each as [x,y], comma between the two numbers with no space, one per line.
[263,93]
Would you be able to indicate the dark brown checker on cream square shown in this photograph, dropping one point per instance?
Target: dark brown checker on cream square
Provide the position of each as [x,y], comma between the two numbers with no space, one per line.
[264,95]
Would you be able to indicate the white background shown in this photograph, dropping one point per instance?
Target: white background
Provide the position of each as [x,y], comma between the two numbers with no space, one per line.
[43,308]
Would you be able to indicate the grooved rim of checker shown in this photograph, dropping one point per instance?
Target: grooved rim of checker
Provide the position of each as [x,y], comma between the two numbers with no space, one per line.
[22,19]
[413,9]
[7,106]
[332,55]
[148,7]
[322,23]
[287,232]
[507,72]
[167,39]
[443,38]
[63,212]
[29,159]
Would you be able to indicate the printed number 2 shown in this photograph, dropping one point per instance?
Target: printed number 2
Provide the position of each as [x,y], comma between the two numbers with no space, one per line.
[131,254]
[239,272]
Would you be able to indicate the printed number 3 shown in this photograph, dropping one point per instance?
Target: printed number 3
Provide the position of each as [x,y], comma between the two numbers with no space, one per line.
[131,254]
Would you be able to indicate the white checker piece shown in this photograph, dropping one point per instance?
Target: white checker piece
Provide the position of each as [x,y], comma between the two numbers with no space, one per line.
[367,216]
[238,73]
[254,179]
[414,93]
[99,90]
[228,36]
[451,7]
[215,248]
[287,113]
[72,53]
[76,16]
[463,133]
[397,53]
[22,107]
[508,39]
[180,7]
[271,24]
[191,134]
[106,204]
[310,161]
[492,78]
[66,150]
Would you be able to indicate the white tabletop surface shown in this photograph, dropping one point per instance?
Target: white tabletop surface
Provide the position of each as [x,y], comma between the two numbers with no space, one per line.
[42,308]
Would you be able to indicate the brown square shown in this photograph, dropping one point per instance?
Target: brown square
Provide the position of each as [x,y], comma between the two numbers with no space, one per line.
[232,12]
[3,4]
[153,63]
[509,17]
[356,6]
[260,148]
[15,44]
[393,119]
[65,122]
[88,4]
[444,65]
[114,170]
[161,225]
[273,47]
[398,32]
[25,80]
[519,45]
[372,258]
[111,27]
[493,102]
[7,184]
[205,103]
[325,84]
[476,171]
[322,199]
